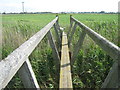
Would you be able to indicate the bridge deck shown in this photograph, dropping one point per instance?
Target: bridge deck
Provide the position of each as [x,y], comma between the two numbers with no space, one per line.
[65,69]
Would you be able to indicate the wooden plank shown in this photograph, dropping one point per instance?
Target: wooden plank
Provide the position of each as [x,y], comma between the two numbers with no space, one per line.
[27,75]
[78,46]
[10,65]
[72,33]
[65,69]
[112,78]
[109,47]
[54,49]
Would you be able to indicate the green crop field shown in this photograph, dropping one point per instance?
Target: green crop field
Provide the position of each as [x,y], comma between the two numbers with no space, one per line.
[92,63]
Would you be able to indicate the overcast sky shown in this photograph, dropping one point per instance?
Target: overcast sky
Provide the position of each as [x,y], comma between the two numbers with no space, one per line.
[59,5]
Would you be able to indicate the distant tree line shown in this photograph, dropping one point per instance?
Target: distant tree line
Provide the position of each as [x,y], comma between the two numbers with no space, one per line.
[101,12]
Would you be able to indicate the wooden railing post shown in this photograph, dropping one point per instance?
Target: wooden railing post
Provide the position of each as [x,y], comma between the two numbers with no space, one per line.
[72,33]
[58,28]
[112,79]
[78,46]
[54,49]
[71,24]
[55,53]
[27,75]
[57,36]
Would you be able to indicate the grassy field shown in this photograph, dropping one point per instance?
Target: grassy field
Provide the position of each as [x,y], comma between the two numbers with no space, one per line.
[92,64]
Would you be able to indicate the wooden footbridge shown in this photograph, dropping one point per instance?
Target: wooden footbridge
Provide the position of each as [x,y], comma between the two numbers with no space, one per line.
[18,60]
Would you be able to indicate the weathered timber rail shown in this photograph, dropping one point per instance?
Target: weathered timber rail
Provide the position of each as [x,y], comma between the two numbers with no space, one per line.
[112,80]
[18,60]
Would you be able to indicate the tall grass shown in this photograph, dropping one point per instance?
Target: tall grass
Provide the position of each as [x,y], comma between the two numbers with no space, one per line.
[92,63]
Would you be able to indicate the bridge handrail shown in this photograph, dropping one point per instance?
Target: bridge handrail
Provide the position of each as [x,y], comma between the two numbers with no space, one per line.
[112,79]
[106,45]
[12,63]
